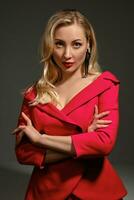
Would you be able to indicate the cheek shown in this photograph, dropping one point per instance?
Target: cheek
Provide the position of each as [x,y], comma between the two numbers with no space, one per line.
[80,56]
[57,55]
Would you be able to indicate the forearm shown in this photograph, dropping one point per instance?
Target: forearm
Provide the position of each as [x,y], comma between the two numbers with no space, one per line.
[29,154]
[57,143]
[53,156]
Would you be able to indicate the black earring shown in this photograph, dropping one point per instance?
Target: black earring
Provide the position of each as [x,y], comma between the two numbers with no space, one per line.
[86,63]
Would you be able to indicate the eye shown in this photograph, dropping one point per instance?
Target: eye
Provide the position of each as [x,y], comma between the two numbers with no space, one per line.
[59,44]
[77,45]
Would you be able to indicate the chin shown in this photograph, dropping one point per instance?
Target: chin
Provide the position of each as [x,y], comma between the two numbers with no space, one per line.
[70,70]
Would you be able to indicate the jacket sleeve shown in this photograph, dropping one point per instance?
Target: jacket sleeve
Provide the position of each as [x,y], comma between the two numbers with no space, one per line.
[26,152]
[101,141]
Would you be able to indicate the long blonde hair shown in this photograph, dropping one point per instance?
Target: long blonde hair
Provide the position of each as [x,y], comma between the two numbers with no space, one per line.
[45,92]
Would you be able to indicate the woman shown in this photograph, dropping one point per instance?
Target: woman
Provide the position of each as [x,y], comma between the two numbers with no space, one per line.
[69,118]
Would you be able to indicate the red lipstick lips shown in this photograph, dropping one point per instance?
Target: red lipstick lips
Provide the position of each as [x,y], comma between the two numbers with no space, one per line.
[68,64]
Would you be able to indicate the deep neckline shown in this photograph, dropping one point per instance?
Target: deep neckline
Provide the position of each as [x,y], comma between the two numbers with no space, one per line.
[78,93]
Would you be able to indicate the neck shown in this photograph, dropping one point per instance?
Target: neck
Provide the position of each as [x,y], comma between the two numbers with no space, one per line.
[71,76]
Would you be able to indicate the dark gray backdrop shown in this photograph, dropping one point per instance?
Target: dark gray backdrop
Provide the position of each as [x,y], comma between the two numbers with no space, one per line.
[22,24]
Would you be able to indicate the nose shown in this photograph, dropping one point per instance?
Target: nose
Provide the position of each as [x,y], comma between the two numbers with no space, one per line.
[67,53]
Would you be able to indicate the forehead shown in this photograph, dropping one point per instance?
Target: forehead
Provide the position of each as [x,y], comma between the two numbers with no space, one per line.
[74,31]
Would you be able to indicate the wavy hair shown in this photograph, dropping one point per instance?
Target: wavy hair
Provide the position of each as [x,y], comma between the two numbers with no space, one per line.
[45,89]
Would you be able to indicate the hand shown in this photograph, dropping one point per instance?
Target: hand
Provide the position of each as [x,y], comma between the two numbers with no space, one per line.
[28,130]
[97,123]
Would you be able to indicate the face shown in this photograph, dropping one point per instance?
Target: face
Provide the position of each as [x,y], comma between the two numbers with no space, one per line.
[70,46]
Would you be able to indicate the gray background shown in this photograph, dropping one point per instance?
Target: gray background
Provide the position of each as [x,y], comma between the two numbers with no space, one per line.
[22,24]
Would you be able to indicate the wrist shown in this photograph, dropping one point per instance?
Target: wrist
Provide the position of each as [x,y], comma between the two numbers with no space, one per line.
[42,139]
[90,129]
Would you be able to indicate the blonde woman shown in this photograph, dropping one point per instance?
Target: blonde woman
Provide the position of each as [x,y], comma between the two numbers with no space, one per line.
[68,122]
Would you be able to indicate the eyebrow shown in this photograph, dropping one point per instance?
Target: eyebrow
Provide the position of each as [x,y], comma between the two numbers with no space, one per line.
[63,40]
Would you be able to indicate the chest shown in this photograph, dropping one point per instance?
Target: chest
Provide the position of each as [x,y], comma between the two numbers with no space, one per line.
[67,92]
[53,121]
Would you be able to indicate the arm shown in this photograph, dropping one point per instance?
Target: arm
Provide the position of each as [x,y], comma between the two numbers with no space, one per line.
[54,156]
[101,141]
[26,152]
[61,144]
[50,155]
[29,154]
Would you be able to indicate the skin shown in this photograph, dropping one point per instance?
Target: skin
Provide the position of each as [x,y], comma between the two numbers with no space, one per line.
[70,45]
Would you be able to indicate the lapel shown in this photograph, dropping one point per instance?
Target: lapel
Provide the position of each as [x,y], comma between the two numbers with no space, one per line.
[102,83]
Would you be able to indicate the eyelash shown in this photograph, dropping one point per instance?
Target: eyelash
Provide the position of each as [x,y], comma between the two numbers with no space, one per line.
[76,45]
[58,43]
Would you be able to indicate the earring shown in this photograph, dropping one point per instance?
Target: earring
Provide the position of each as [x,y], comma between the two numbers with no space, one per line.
[86,63]
[88,49]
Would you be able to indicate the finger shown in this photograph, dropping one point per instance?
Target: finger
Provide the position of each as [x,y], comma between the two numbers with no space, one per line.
[19,128]
[102,126]
[20,134]
[15,130]
[19,137]
[96,109]
[27,119]
[104,121]
[103,114]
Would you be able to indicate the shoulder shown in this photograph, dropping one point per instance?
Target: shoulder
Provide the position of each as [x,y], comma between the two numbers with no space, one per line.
[110,76]
[30,93]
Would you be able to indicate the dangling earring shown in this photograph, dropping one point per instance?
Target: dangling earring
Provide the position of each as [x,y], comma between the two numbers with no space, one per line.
[86,63]
[88,49]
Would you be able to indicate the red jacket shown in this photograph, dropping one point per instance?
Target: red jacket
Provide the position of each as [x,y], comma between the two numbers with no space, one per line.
[89,175]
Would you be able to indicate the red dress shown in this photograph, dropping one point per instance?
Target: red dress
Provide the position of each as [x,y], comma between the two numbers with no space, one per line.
[89,175]
[73,197]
